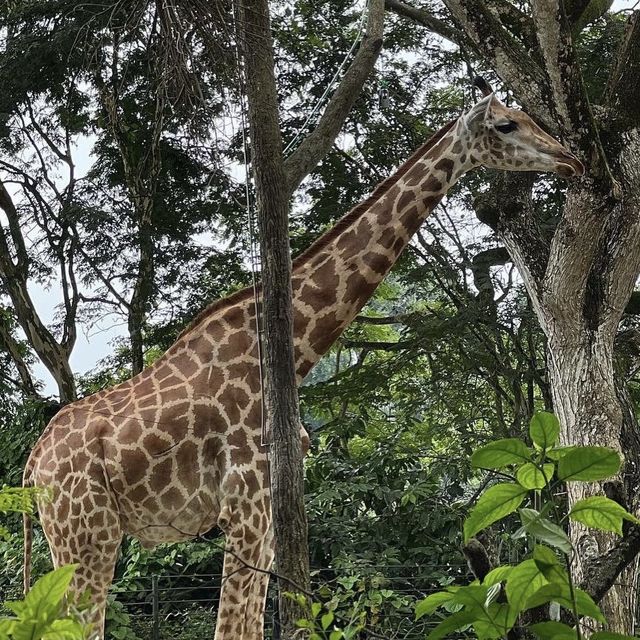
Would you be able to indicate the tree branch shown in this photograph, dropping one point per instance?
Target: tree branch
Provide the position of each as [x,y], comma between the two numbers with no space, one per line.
[426,19]
[315,146]
[601,572]
[12,347]
[568,94]
[511,60]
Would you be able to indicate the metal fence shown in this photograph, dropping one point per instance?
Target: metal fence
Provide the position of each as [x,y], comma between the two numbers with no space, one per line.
[183,607]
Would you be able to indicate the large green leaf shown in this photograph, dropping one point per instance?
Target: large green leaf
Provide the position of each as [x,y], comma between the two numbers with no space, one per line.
[549,565]
[501,453]
[65,629]
[452,623]
[495,503]
[531,477]
[473,597]
[561,593]
[609,635]
[494,622]
[544,429]
[432,602]
[601,513]
[553,631]
[43,601]
[499,574]
[588,464]
[523,582]
[535,524]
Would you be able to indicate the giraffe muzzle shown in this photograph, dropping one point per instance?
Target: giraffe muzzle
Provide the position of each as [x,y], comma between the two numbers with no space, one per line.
[568,166]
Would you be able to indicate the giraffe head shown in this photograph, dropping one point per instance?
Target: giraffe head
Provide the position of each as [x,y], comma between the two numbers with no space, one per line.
[504,138]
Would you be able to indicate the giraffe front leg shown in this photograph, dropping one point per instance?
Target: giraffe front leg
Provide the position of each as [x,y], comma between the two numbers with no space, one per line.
[254,621]
[246,525]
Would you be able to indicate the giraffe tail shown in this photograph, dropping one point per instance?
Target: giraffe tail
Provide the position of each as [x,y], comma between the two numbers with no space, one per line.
[28,537]
[26,567]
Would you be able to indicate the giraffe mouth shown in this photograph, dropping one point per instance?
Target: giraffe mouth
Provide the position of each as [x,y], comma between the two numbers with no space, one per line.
[568,166]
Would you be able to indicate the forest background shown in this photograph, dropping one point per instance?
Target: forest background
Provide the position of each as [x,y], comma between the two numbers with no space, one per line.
[123,198]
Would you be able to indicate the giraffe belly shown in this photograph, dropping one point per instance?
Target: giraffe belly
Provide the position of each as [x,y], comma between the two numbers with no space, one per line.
[153,524]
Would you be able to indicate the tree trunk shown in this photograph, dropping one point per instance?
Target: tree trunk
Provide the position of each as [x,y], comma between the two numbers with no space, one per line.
[281,395]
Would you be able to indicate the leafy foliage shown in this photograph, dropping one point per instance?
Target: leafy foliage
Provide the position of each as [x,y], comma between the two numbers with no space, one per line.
[494,606]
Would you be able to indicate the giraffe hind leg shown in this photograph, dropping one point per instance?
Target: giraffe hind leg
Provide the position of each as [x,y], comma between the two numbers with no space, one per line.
[90,539]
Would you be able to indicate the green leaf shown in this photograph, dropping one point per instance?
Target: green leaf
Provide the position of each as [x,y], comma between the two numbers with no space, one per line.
[495,503]
[561,593]
[494,622]
[602,513]
[589,463]
[44,599]
[501,453]
[315,609]
[523,582]
[451,624]
[6,627]
[473,597]
[542,529]
[553,631]
[65,629]
[432,602]
[549,565]
[336,635]
[25,630]
[499,574]
[544,429]
[559,452]
[609,635]
[326,620]
[530,477]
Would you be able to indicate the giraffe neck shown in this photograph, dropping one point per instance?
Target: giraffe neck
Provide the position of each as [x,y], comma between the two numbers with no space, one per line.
[336,276]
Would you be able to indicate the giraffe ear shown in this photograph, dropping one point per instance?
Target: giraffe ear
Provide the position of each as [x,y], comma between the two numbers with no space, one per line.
[478,114]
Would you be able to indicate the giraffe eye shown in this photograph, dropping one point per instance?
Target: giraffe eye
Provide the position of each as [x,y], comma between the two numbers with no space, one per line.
[507,127]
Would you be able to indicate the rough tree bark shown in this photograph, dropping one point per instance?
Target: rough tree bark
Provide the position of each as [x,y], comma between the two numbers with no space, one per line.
[275,180]
[281,394]
[579,276]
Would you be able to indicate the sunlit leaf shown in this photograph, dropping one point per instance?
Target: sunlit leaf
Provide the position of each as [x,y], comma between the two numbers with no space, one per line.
[544,429]
[495,503]
[501,453]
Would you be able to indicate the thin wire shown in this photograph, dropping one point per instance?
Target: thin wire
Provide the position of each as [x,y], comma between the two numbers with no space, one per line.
[336,75]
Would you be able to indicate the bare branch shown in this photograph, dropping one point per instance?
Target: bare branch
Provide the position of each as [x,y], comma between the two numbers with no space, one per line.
[21,266]
[315,146]
[10,345]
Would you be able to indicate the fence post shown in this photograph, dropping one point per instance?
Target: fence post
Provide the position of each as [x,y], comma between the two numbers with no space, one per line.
[275,618]
[155,630]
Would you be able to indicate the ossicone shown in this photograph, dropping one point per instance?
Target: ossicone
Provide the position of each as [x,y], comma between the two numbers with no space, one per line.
[483,85]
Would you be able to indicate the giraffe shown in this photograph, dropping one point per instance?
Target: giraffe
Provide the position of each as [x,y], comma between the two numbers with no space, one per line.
[176,450]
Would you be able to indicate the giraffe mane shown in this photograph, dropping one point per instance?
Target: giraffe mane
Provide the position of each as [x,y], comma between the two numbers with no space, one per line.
[325,239]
